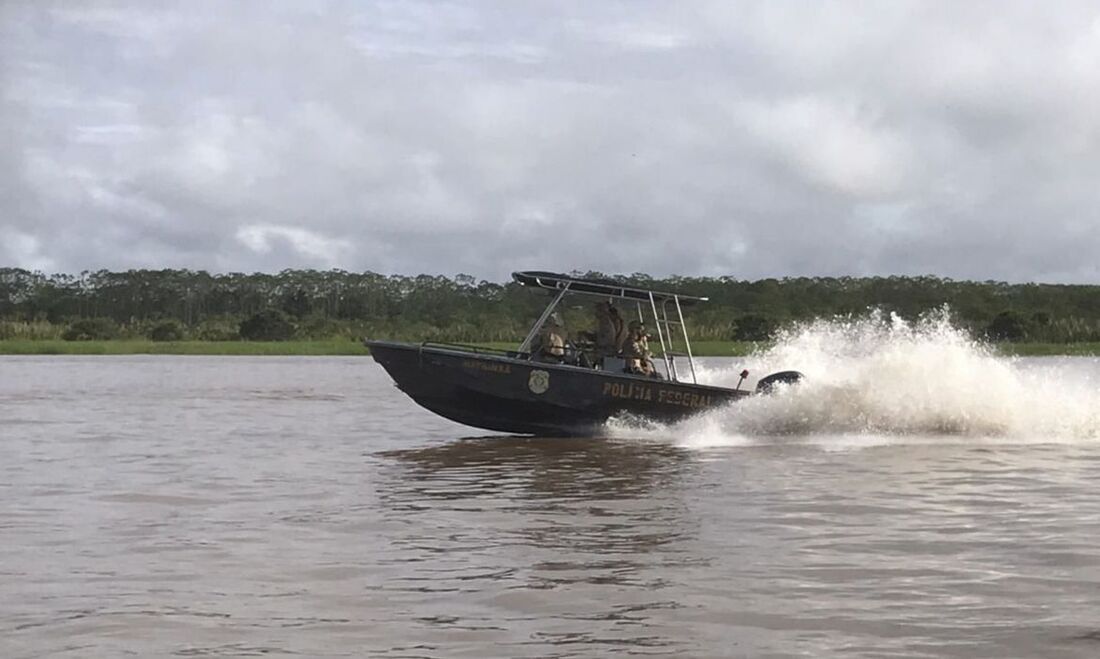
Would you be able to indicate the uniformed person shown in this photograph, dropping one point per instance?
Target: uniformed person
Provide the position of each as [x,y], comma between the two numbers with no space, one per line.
[620,328]
[636,350]
[552,341]
[608,329]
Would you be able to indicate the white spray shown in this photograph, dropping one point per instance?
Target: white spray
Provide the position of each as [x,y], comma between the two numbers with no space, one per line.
[880,375]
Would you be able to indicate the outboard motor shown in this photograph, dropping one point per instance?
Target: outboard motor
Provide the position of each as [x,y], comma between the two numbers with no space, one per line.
[766,385]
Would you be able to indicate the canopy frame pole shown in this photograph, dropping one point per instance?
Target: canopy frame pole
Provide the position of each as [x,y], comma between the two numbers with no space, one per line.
[671,342]
[526,345]
[670,367]
[687,341]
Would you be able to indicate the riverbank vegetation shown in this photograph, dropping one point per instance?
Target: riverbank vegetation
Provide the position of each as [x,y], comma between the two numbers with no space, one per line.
[330,312]
[356,348]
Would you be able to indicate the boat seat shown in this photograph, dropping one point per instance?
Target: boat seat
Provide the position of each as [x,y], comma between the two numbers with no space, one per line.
[614,364]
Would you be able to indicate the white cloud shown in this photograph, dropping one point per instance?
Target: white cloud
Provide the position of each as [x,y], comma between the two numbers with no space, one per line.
[748,138]
[24,250]
[631,35]
[264,238]
[842,145]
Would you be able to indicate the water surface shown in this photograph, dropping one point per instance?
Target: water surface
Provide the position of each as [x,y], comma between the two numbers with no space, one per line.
[239,506]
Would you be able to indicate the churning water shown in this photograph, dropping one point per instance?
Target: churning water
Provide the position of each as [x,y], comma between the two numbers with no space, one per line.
[885,379]
[916,496]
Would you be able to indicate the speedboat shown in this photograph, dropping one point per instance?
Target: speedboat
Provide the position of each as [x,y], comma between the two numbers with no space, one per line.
[575,390]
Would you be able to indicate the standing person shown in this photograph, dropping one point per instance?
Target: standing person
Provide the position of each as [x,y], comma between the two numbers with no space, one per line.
[620,328]
[607,330]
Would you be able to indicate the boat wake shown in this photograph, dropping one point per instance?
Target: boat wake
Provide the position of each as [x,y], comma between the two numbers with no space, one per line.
[880,376]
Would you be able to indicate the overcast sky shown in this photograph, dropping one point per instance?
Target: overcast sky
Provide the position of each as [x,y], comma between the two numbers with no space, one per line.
[750,139]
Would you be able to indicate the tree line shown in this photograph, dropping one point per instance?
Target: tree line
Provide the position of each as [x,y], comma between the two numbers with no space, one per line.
[313,304]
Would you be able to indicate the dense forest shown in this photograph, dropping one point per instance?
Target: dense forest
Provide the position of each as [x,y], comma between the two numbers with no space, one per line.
[310,304]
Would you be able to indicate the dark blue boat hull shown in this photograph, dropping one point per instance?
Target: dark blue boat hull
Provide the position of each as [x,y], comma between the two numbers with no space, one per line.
[506,393]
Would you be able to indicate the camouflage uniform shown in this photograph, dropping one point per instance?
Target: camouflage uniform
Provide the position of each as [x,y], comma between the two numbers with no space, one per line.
[552,342]
[636,350]
[608,329]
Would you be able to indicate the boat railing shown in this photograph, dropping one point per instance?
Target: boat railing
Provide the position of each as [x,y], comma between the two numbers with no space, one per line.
[481,350]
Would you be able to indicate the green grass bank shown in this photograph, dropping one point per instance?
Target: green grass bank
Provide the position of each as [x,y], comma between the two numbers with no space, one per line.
[345,347]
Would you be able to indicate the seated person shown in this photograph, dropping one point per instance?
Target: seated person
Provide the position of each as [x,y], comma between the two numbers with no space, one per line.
[551,341]
[636,350]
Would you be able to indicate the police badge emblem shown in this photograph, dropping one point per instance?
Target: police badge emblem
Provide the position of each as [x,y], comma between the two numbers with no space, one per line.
[539,381]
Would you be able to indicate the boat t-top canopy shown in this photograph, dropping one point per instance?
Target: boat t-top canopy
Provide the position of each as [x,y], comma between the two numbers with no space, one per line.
[668,321]
[603,287]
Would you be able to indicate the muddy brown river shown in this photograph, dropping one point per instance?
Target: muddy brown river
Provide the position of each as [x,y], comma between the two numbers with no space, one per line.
[157,506]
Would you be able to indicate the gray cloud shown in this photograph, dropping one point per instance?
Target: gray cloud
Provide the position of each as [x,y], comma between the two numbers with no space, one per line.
[745,138]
